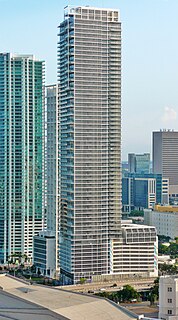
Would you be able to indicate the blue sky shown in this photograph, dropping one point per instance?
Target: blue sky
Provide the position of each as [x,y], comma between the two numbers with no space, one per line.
[149,56]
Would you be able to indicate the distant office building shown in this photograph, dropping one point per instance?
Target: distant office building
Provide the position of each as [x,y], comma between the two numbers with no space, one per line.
[139,163]
[21,153]
[168,297]
[90,118]
[124,167]
[141,191]
[127,194]
[165,220]
[165,158]
[137,252]
[52,165]
[138,193]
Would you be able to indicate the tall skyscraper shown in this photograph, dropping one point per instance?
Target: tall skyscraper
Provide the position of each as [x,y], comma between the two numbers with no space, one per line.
[52,157]
[165,158]
[89,55]
[46,243]
[139,163]
[21,153]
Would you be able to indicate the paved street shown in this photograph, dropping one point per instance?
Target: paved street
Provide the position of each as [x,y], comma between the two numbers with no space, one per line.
[142,308]
[138,284]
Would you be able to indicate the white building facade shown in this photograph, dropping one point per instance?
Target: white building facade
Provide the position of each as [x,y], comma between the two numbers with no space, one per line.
[90,115]
[137,253]
[168,297]
[165,222]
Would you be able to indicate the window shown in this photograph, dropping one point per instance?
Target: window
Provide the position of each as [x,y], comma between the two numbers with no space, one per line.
[169,300]
[169,311]
[169,289]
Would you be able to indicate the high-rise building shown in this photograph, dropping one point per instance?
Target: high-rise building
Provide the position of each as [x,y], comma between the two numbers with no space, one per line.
[50,236]
[52,157]
[89,53]
[165,158]
[21,153]
[139,163]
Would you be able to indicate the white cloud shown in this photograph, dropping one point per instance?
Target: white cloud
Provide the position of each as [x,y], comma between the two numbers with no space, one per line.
[169,114]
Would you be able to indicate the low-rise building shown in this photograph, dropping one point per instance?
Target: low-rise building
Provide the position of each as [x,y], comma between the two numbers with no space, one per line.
[166,259]
[168,297]
[164,219]
[45,253]
[137,252]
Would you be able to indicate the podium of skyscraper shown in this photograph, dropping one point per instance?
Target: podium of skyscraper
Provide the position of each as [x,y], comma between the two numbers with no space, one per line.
[89,61]
[21,153]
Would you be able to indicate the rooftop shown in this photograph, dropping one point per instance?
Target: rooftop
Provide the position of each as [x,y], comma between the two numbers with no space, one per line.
[166,208]
[92,13]
[63,304]
[12,307]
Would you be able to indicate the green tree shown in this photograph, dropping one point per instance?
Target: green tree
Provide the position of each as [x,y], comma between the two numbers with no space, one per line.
[167,269]
[163,238]
[162,248]
[137,213]
[173,249]
[128,293]
[82,280]
[154,292]
[152,298]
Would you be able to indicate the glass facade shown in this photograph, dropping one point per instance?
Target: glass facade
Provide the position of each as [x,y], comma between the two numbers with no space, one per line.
[90,118]
[21,152]
[53,164]
[139,163]
[137,190]
[140,188]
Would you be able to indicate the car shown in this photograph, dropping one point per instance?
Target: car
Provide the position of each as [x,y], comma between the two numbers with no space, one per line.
[114,285]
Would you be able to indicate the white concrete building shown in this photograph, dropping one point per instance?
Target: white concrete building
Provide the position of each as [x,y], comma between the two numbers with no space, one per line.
[164,219]
[168,297]
[89,60]
[166,259]
[137,252]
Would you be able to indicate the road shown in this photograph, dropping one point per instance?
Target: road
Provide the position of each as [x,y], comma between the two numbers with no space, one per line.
[138,284]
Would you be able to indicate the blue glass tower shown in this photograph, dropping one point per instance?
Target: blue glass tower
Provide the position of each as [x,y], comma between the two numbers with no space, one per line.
[21,153]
